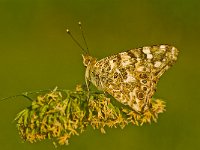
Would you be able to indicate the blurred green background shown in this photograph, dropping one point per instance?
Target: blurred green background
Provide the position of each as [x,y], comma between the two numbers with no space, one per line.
[36,53]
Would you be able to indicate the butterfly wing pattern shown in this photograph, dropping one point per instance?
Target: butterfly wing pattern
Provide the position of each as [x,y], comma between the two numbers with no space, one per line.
[131,77]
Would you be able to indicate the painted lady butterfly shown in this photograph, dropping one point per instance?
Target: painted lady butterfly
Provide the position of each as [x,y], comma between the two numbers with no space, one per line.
[130,77]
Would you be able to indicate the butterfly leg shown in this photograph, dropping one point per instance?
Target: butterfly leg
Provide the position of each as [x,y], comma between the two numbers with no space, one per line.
[87,82]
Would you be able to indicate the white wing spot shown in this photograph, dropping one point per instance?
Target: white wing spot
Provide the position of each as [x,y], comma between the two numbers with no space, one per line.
[138,59]
[173,50]
[125,63]
[146,50]
[163,47]
[124,56]
[112,64]
[130,78]
[140,68]
[149,56]
[157,64]
[117,70]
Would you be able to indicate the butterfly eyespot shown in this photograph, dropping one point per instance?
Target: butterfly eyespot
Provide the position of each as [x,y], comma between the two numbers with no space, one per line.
[143,76]
[144,88]
[140,95]
[144,81]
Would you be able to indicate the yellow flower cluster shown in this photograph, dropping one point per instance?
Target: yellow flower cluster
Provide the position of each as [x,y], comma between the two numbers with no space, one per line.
[59,114]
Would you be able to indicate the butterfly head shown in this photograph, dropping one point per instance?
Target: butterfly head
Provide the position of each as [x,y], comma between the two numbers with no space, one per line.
[88,60]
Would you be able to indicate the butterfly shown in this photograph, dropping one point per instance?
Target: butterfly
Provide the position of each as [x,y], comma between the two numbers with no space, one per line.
[131,77]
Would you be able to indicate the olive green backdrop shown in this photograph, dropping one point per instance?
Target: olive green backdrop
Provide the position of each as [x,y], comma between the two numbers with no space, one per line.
[36,53]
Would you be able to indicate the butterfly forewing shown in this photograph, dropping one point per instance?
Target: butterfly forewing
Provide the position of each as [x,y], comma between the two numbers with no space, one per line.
[131,76]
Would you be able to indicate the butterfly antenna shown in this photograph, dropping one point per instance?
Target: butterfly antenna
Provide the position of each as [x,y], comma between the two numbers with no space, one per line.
[79,45]
[81,28]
